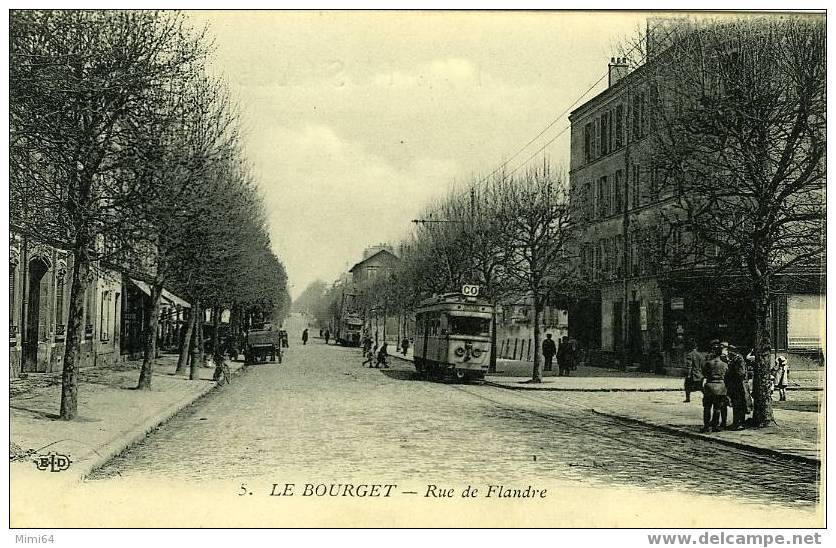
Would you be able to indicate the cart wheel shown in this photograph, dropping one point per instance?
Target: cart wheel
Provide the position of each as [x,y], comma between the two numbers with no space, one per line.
[460,375]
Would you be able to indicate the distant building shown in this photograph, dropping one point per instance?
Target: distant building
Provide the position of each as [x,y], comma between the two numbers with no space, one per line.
[515,328]
[374,249]
[380,263]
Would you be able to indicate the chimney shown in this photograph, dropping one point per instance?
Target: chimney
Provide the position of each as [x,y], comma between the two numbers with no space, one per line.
[618,69]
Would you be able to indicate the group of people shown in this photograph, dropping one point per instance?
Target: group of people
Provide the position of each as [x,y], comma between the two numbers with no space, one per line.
[566,353]
[378,356]
[723,377]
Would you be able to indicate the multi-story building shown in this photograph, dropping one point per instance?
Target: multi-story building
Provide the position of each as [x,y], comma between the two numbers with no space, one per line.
[116,308]
[642,308]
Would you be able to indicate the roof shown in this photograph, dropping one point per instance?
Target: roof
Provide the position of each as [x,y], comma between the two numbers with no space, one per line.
[615,88]
[370,257]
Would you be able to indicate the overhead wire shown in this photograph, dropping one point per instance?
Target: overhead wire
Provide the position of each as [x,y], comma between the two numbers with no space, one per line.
[551,124]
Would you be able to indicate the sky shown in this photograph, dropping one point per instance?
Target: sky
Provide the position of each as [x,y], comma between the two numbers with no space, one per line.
[355,121]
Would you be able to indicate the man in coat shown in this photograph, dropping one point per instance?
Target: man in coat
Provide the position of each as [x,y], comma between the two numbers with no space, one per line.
[327,335]
[714,394]
[565,357]
[694,360]
[305,337]
[736,384]
[549,350]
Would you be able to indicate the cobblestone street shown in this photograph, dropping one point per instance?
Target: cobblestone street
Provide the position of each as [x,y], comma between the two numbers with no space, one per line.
[322,417]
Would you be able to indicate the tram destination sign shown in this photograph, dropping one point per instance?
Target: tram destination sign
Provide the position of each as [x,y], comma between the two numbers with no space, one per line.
[470,290]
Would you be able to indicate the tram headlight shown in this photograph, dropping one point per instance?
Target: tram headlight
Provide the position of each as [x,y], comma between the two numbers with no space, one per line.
[459,351]
[475,352]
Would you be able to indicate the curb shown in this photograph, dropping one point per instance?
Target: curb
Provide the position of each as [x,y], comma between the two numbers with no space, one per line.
[125,442]
[559,389]
[697,435]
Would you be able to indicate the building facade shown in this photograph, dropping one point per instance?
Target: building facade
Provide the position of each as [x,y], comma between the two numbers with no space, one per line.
[641,310]
[39,292]
[116,308]
[376,265]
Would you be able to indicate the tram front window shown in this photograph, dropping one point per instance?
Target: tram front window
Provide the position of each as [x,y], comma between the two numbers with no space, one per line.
[461,325]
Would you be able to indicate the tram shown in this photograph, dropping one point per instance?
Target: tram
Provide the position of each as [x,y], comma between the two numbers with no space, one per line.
[453,337]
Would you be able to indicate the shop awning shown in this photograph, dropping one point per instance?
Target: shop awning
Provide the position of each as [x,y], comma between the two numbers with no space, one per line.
[168,296]
[174,299]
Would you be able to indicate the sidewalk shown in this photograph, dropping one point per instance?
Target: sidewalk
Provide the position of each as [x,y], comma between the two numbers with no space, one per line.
[795,434]
[112,414]
[656,401]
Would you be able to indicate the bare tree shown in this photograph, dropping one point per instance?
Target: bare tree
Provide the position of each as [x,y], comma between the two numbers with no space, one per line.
[84,86]
[178,160]
[534,210]
[739,141]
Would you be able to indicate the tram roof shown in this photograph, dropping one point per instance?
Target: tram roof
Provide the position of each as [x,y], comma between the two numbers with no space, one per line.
[453,299]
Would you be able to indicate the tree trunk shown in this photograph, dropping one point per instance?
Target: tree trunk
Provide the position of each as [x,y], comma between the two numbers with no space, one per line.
[216,342]
[201,349]
[194,347]
[762,415]
[185,344]
[536,375]
[75,329]
[150,350]
[492,363]
[235,321]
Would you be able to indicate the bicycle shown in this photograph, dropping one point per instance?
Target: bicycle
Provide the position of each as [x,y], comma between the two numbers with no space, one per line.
[222,373]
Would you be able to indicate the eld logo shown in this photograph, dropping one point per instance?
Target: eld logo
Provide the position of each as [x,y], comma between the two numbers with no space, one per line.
[52,462]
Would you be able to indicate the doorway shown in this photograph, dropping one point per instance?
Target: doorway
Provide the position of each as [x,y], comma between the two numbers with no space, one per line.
[37,269]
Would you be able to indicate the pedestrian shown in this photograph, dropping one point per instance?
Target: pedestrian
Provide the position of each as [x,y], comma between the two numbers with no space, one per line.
[284,338]
[737,385]
[549,351]
[781,372]
[565,357]
[305,337]
[404,346]
[382,354]
[327,335]
[694,361]
[714,394]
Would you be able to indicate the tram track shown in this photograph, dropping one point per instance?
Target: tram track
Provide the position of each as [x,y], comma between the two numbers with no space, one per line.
[729,463]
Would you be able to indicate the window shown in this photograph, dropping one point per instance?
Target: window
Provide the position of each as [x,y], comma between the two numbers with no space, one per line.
[619,126]
[587,202]
[618,262]
[605,132]
[587,142]
[639,115]
[603,195]
[462,325]
[104,316]
[635,254]
[617,190]
[636,186]
[88,311]
[602,262]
